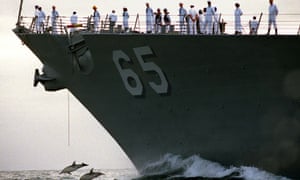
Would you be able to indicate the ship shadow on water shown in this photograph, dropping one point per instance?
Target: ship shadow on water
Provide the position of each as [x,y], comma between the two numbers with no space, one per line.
[174,167]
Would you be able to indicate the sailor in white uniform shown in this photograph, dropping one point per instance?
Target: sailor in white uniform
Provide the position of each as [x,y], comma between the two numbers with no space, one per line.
[193,15]
[158,21]
[96,18]
[210,12]
[216,23]
[36,16]
[112,20]
[167,20]
[201,21]
[41,19]
[182,16]
[54,17]
[149,18]
[73,20]
[253,25]
[273,12]
[237,19]
[125,19]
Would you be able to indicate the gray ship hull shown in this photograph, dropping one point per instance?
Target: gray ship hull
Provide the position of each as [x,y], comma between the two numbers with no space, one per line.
[230,99]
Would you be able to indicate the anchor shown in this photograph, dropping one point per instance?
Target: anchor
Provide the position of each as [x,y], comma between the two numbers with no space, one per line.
[48,79]
[81,54]
[40,78]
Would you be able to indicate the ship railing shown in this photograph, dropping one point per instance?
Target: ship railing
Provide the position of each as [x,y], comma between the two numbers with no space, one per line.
[58,27]
[288,23]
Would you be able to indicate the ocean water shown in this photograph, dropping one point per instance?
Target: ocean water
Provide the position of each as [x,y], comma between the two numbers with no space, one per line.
[109,174]
[169,167]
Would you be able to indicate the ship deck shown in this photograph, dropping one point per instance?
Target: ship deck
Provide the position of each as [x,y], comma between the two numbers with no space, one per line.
[288,24]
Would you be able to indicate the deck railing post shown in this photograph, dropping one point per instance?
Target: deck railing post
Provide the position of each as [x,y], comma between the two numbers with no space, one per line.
[61,25]
[260,16]
[19,14]
[137,22]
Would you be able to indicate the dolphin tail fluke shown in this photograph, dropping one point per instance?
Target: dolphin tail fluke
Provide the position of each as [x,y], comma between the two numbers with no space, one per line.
[92,170]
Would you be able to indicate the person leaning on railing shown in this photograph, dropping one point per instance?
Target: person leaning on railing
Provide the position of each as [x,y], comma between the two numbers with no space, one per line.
[253,25]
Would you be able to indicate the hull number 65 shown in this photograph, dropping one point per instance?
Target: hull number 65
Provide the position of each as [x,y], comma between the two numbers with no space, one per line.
[128,75]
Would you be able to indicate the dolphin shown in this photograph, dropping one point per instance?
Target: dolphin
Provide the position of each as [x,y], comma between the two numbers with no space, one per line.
[72,167]
[91,175]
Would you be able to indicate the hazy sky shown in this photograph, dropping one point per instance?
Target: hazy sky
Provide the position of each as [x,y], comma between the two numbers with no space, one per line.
[34,123]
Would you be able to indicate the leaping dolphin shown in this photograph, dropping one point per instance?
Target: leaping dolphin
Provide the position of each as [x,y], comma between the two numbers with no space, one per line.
[72,167]
[91,175]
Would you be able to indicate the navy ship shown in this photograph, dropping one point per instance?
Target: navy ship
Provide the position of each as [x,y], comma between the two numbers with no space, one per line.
[231,99]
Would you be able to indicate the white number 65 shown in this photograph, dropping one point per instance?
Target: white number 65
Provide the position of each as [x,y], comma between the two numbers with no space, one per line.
[126,74]
[151,66]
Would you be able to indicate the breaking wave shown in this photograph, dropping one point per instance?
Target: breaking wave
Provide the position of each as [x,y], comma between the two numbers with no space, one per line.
[175,167]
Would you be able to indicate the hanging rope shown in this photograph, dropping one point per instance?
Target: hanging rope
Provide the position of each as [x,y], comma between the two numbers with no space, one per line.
[69,122]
